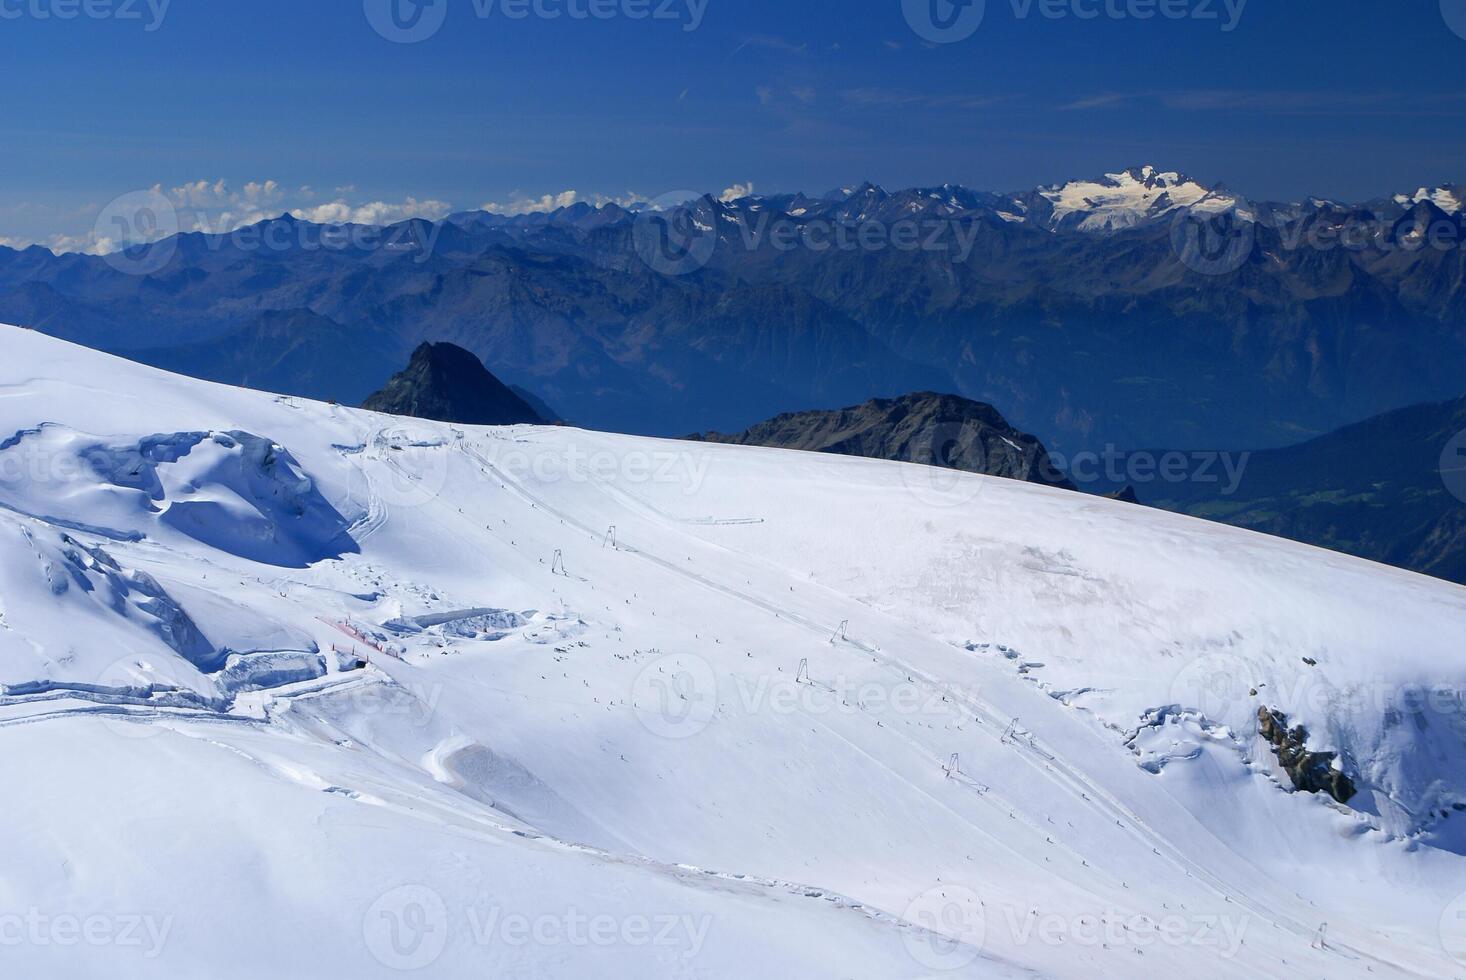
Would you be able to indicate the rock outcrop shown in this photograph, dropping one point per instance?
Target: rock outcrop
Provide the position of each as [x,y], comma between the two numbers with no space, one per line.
[1311,772]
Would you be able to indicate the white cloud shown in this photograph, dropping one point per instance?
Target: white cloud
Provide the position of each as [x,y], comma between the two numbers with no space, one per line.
[522,204]
[206,194]
[62,244]
[214,207]
[86,244]
[339,212]
[218,207]
[518,204]
[736,192]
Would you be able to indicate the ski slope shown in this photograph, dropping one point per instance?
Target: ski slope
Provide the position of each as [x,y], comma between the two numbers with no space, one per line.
[293,689]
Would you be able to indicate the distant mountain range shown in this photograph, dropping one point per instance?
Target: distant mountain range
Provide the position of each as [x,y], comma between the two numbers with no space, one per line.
[1139,308]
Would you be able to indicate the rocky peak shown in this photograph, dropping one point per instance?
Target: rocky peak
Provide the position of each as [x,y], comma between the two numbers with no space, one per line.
[446,383]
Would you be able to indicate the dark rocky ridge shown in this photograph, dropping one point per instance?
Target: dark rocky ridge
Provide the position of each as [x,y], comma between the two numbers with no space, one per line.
[927,428]
[445,383]
[1311,772]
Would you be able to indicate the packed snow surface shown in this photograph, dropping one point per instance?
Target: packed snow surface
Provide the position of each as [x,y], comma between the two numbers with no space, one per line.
[291,689]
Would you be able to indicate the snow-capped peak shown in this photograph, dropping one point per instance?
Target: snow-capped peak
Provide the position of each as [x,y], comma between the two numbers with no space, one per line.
[1450,198]
[1123,200]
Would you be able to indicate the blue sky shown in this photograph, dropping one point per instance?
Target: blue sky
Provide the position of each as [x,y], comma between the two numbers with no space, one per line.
[1343,98]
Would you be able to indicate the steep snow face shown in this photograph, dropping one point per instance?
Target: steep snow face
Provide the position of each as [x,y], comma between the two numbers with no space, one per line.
[1124,200]
[573,704]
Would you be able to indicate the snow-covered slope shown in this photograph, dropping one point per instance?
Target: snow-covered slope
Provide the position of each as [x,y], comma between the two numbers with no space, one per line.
[294,689]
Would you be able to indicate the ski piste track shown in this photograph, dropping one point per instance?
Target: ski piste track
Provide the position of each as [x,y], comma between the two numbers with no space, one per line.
[60,704]
[1041,762]
[433,801]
